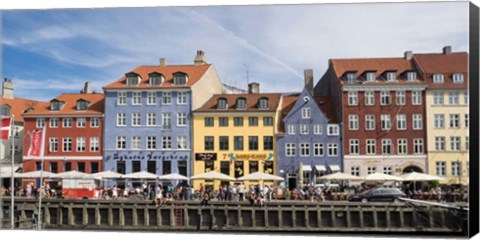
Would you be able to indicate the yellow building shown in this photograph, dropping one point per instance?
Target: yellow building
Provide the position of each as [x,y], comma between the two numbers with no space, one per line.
[234,134]
[447,110]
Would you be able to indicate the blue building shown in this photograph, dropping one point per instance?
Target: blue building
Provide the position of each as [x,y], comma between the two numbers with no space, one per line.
[148,116]
[309,139]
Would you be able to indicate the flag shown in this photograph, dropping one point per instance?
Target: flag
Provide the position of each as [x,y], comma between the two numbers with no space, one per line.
[35,143]
[6,128]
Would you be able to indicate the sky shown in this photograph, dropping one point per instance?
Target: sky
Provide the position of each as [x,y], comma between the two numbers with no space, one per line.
[49,52]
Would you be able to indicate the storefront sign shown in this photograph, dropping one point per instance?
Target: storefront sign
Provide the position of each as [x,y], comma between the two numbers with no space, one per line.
[268,167]
[239,172]
[148,157]
[209,165]
[205,156]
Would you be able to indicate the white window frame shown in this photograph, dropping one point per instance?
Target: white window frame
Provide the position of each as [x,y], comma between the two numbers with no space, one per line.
[354,146]
[65,142]
[67,122]
[355,171]
[81,122]
[151,142]
[418,146]
[54,122]
[136,119]
[388,170]
[352,98]
[457,78]
[416,97]
[182,98]
[94,144]
[417,121]
[53,144]
[439,120]
[391,77]
[386,122]
[439,143]
[455,143]
[181,119]
[369,122]
[411,76]
[121,119]
[121,98]
[438,97]
[151,119]
[151,98]
[466,98]
[136,143]
[401,122]
[291,129]
[402,146]
[453,97]
[40,122]
[304,129]
[304,149]
[166,142]
[121,142]
[306,113]
[290,149]
[182,142]
[441,168]
[333,130]
[332,149]
[94,122]
[136,98]
[437,78]
[369,98]
[371,169]
[371,146]
[400,98]
[387,146]
[385,98]
[317,129]
[166,98]
[166,120]
[81,144]
[370,77]
[454,121]
[318,150]
[353,122]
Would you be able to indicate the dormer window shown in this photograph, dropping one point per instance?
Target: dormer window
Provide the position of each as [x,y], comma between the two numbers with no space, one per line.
[370,76]
[457,78]
[82,105]
[241,103]
[222,103]
[5,110]
[391,76]
[55,105]
[437,78]
[155,79]
[132,79]
[350,77]
[180,79]
[263,103]
[411,76]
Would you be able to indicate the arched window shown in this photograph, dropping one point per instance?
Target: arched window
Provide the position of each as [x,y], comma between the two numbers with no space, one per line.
[222,103]
[263,103]
[241,103]
[180,78]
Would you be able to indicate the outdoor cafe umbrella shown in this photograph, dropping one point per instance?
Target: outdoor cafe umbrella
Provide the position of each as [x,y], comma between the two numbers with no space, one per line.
[212,175]
[35,174]
[140,175]
[73,175]
[380,177]
[173,176]
[420,177]
[260,176]
[107,175]
[340,176]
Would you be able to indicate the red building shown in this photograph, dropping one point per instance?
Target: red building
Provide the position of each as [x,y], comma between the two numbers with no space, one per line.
[73,139]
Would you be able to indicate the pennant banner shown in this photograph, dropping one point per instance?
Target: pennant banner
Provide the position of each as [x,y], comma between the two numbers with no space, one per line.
[35,144]
[5,128]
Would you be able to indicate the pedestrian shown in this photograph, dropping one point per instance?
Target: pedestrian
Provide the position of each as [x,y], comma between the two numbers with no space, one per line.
[205,198]
[159,198]
[235,192]
[241,191]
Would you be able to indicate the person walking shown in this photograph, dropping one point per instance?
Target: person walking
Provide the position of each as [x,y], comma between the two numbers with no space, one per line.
[241,192]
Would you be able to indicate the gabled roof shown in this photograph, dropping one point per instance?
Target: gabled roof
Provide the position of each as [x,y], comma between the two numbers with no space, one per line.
[96,106]
[19,105]
[194,72]
[251,103]
[325,104]
[287,104]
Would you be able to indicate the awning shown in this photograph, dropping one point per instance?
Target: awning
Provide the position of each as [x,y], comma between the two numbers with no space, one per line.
[334,168]
[307,168]
[320,168]
[6,171]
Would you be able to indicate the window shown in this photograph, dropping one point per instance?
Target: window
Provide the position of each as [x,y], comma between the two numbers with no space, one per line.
[263,103]
[182,142]
[166,167]
[418,146]
[332,149]
[438,98]
[121,142]
[417,122]
[387,170]
[132,80]
[182,98]
[317,129]
[350,77]
[208,122]
[318,149]
[303,129]
[267,143]
[136,142]
[81,167]
[136,120]
[386,122]
[454,120]
[67,144]
[267,121]
[121,167]
[252,143]
[333,130]
[439,120]
[94,122]
[416,98]
[155,79]
[82,105]
[354,146]
[136,166]
[81,122]
[437,78]
[439,143]
[252,121]
[304,149]
[453,98]
[167,98]
[391,76]
[54,106]
[466,99]
[385,98]
[369,98]
[94,144]
[306,113]
[370,77]
[455,143]
[222,103]
[121,98]
[352,98]
[223,140]
[151,98]
[467,120]
[457,78]
[152,167]
[136,98]
[355,171]
[371,170]
[208,143]
[411,76]
[181,119]
[402,146]
[369,122]
[238,121]
[5,110]
[290,149]
[440,168]
[457,169]
[223,121]
[238,142]
[152,142]
[53,146]
[400,95]
[151,119]
[401,122]
[179,79]
[53,122]
[386,146]
[353,122]
[370,146]
[121,119]
[291,129]
[40,122]
[166,142]
[467,143]
[241,103]
[67,122]
[167,120]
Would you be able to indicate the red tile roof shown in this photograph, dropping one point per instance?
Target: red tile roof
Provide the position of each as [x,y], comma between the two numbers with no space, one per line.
[19,105]
[443,63]
[194,73]
[95,106]
[251,102]
[287,104]
[325,105]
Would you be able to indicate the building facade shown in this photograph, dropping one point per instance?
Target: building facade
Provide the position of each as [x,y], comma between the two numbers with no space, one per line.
[235,134]
[309,139]
[148,117]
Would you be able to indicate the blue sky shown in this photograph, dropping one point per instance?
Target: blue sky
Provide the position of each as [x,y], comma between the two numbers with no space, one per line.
[47,52]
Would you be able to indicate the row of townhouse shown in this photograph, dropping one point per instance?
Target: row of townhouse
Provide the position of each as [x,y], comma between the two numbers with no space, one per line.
[390,115]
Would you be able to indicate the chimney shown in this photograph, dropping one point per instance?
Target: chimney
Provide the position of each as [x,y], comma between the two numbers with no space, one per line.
[253,87]
[7,88]
[408,55]
[308,74]
[163,62]
[447,50]
[200,58]
[87,88]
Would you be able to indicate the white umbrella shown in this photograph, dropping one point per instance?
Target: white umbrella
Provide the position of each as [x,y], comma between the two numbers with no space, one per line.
[260,176]
[140,175]
[74,175]
[212,175]
[382,177]
[35,174]
[340,176]
[173,176]
[107,175]
[419,177]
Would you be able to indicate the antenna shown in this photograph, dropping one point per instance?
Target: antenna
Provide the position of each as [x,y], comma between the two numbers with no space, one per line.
[247,73]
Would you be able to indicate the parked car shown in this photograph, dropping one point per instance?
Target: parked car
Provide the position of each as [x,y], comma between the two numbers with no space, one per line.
[378,195]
